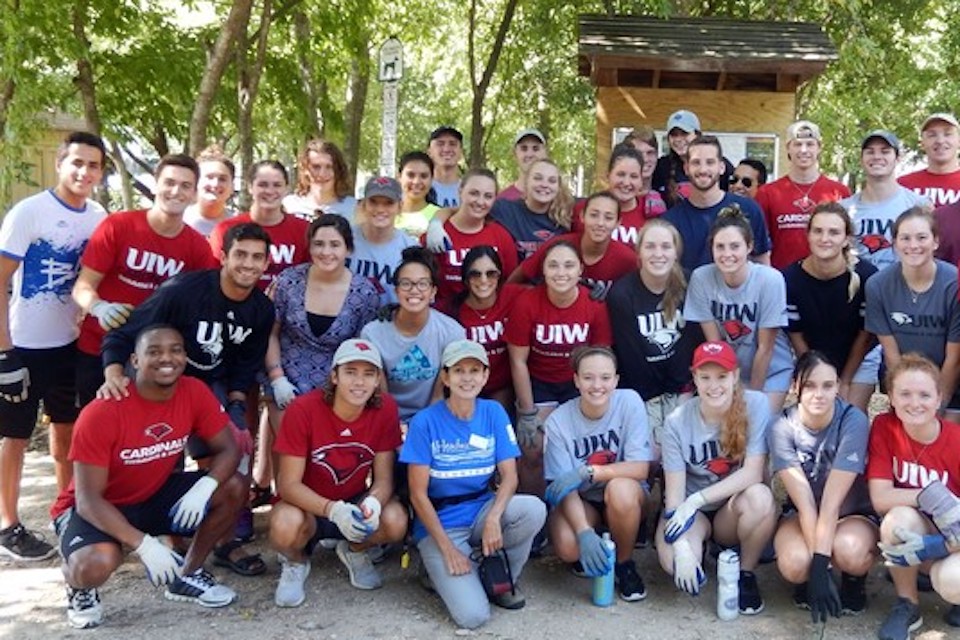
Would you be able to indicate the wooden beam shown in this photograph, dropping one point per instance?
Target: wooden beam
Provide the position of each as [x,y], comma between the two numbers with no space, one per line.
[730,65]
[787,82]
[656,79]
[721,80]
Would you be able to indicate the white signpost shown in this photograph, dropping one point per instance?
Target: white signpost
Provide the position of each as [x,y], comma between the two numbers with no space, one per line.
[389,73]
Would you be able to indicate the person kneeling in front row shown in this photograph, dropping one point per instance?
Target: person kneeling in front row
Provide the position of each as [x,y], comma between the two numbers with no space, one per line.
[126,489]
[329,442]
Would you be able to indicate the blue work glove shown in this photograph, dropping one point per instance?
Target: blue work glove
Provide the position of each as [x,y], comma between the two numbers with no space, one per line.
[944,508]
[565,484]
[14,377]
[237,411]
[913,549]
[593,555]
[349,519]
[688,575]
[822,595]
[683,517]
[189,510]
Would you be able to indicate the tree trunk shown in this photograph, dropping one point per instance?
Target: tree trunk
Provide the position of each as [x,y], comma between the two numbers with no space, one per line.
[6,99]
[353,111]
[481,86]
[236,22]
[302,35]
[126,188]
[248,85]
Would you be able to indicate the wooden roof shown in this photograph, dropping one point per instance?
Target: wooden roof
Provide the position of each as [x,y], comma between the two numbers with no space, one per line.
[645,47]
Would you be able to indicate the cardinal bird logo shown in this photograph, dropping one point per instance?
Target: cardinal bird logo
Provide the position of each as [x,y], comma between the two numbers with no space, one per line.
[875,243]
[736,329]
[158,431]
[601,457]
[343,461]
[719,466]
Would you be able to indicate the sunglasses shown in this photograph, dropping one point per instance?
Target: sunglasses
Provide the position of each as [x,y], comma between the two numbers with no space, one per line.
[491,274]
[746,182]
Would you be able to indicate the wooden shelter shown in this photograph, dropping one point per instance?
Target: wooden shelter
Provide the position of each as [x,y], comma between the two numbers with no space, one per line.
[41,156]
[740,77]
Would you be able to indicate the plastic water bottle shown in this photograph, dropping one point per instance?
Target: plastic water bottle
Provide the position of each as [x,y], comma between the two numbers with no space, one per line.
[603,585]
[728,585]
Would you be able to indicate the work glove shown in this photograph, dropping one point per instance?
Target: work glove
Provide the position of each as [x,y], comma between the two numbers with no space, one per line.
[370,508]
[111,315]
[683,517]
[688,575]
[528,425]
[284,391]
[387,312]
[189,510]
[14,377]
[163,564]
[565,484]
[437,239]
[822,595]
[598,288]
[349,519]
[944,508]
[593,555]
[913,549]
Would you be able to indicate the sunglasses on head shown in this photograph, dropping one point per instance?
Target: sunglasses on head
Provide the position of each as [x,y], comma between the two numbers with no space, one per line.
[746,182]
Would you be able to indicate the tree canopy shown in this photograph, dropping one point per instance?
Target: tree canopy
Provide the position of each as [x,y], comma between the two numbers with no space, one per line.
[261,76]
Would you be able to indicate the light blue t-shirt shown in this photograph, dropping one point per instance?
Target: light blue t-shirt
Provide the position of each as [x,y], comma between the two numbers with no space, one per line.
[873,224]
[462,456]
[378,261]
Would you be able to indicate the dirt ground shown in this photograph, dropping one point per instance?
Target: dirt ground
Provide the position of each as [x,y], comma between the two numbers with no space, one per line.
[32,603]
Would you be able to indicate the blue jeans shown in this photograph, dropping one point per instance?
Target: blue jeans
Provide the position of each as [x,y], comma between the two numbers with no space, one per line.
[464,595]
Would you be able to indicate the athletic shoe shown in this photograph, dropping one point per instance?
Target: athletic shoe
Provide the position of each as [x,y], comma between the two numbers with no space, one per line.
[200,587]
[363,575]
[631,584]
[903,618]
[328,543]
[17,542]
[952,616]
[512,600]
[577,569]
[853,594]
[290,587]
[800,596]
[83,608]
[750,601]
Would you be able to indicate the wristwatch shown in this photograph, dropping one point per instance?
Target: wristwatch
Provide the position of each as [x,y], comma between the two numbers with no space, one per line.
[590,471]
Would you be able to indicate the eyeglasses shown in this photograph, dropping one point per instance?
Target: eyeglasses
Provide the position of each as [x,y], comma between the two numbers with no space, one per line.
[745,181]
[410,285]
[490,274]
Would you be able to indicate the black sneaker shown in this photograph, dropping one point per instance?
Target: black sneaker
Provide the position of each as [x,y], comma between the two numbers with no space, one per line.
[83,608]
[952,616]
[200,587]
[631,584]
[853,594]
[21,544]
[904,618]
[800,596]
[750,601]
[577,569]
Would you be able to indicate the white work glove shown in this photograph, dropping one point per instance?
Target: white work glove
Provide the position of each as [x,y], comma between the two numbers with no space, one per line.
[189,510]
[683,517]
[14,377]
[163,564]
[528,425]
[349,519]
[944,508]
[284,391]
[111,314]
[370,507]
[688,575]
[437,239]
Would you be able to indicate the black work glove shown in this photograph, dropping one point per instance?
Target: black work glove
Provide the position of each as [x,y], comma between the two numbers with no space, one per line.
[14,377]
[821,590]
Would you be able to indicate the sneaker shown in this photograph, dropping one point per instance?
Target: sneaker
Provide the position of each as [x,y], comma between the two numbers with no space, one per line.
[904,618]
[17,542]
[83,608]
[853,594]
[750,601]
[577,569]
[952,616]
[512,600]
[631,584]
[363,575]
[200,587]
[290,587]
[800,596]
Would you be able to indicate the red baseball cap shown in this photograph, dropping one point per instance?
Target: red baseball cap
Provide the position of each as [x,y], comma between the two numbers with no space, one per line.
[718,353]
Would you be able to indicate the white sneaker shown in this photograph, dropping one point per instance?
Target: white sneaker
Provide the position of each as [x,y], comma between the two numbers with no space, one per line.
[83,608]
[200,587]
[363,575]
[293,575]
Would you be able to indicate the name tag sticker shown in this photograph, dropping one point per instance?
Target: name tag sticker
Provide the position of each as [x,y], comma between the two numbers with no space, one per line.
[479,442]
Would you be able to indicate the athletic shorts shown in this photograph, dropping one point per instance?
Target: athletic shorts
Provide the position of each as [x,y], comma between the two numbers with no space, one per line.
[327,530]
[869,370]
[89,377]
[658,408]
[552,394]
[52,380]
[151,516]
[790,511]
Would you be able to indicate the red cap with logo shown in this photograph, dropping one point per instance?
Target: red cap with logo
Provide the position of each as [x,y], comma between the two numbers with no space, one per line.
[718,353]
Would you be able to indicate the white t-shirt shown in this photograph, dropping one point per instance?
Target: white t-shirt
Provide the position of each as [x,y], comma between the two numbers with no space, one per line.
[47,237]
[194,219]
[304,207]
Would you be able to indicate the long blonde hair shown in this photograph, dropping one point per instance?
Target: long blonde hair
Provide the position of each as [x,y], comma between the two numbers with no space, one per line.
[560,210]
[676,289]
[849,255]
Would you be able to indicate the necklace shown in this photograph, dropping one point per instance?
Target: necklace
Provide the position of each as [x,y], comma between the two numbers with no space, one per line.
[805,203]
[917,456]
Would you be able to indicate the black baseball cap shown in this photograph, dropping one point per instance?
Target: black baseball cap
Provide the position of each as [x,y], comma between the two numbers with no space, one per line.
[446,130]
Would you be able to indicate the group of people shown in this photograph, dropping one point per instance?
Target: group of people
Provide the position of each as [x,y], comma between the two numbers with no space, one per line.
[481,371]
